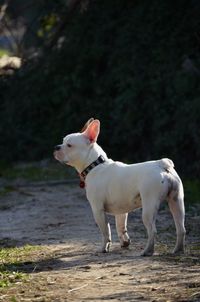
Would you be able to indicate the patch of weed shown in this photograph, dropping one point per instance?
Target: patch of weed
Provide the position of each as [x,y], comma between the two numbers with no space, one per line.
[13,299]
[7,278]
[6,189]
[10,262]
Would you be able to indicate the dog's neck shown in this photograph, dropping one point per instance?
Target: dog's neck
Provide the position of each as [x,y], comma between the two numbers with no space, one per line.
[94,152]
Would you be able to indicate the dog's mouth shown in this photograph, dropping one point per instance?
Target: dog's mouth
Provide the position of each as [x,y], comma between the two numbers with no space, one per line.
[55,154]
[59,158]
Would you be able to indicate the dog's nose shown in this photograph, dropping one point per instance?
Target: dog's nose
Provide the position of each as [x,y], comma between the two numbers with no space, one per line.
[57,148]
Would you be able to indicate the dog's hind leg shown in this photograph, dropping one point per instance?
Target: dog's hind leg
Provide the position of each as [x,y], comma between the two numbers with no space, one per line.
[177,209]
[121,226]
[149,213]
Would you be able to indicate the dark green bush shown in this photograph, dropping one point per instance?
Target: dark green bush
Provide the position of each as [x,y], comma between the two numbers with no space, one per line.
[134,65]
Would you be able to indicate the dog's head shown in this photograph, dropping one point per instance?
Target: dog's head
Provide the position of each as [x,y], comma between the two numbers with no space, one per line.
[76,147]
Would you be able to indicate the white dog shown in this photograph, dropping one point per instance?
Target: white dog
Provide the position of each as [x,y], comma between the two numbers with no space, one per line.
[117,188]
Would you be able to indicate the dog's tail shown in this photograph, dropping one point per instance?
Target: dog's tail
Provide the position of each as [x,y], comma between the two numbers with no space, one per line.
[166,164]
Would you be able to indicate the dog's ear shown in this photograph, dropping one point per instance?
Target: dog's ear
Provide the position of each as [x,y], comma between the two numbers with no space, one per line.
[92,131]
[87,124]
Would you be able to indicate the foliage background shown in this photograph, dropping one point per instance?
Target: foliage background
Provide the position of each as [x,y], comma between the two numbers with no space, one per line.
[135,65]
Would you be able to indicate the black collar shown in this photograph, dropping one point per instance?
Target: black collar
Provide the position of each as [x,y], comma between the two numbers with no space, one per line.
[100,160]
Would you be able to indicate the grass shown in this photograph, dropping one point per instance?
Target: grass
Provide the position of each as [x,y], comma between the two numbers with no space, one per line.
[4,52]
[39,171]
[11,262]
[8,278]
[192,190]
[5,190]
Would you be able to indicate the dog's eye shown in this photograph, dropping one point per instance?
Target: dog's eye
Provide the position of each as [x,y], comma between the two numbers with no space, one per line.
[69,145]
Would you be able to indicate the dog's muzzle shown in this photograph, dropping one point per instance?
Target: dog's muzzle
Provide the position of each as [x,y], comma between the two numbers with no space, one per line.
[58,154]
[57,147]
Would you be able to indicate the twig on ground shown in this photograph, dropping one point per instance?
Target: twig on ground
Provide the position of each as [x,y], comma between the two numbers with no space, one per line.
[82,286]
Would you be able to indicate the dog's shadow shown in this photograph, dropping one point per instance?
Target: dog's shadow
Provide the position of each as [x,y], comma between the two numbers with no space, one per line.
[84,260]
[64,259]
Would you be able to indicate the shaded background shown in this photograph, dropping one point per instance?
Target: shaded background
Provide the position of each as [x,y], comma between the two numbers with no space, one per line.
[135,65]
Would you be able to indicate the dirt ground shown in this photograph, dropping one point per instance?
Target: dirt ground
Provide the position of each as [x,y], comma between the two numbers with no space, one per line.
[69,266]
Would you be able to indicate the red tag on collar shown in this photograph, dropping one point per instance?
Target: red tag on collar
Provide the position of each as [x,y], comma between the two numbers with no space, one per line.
[82,184]
[82,181]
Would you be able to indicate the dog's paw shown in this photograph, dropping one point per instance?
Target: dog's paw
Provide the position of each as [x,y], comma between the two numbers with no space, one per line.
[106,247]
[125,244]
[178,251]
[147,253]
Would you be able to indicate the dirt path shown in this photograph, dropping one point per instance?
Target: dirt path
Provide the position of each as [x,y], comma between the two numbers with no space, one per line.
[70,268]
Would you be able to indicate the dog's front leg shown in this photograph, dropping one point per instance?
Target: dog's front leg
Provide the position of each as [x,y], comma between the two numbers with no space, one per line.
[104,226]
[121,226]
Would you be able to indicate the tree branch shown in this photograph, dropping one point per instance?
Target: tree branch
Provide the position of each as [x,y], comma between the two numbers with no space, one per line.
[72,7]
[3,10]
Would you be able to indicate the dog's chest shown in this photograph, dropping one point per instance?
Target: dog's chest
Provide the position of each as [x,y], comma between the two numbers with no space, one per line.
[122,205]
[113,190]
